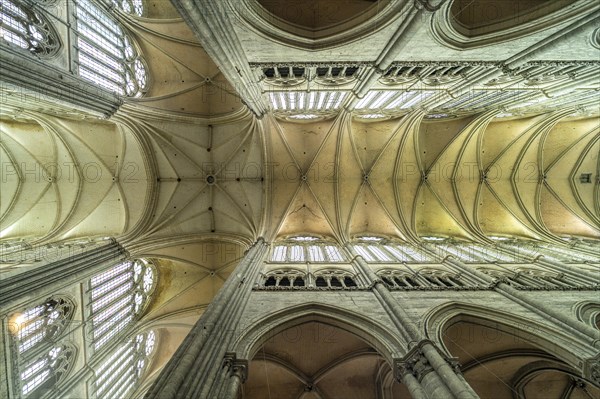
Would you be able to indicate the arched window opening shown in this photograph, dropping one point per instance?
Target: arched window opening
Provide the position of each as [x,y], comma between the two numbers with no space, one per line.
[424,278]
[397,279]
[279,253]
[117,297]
[106,55]
[399,255]
[27,29]
[335,282]
[440,278]
[315,254]
[284,282]
[271,282]
[349,282]
[297,253]
[530,278]
[454,281]
[119,374]
[430,279]
[284,278]
[333,253]
[410,282]
[402,282]
[387,281]
[42,323]
[306,248]
[364,252]
[46,371]
[335,278]
[502,276]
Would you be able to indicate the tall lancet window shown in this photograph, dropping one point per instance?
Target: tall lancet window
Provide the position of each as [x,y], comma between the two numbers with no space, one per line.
[40,351]
[44,372]
[21,26]
[301,249]
[106,54]
[117,297]
[119,374]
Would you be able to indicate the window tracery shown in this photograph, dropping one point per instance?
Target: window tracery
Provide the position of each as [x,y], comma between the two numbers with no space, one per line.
[106,54]
[429,74]
[41,360]
[526,278]
[300,102]
[46,370]
[424,279]
[27,29]
[334,278]
[393,100]
[306,248]
[135,7]
[376,249]
[43,323]
[117,297]
[118,375]
[285,278]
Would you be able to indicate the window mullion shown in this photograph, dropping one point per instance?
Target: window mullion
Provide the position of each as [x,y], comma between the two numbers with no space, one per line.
[102,73]
[95,57]
[113,278]
[117,31]
[116,39]
[128,292]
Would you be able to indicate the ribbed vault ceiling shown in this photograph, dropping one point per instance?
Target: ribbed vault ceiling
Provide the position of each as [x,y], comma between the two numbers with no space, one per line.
[468,178]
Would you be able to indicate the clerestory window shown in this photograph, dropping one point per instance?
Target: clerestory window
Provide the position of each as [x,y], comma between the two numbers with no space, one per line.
[117,297]
[42,323]
[119,374]
[40,357]
[106,54]
[301,249]
[27,29]
[45,371]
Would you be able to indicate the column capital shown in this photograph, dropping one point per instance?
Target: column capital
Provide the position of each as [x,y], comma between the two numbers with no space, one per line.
[416,363]
[236,366]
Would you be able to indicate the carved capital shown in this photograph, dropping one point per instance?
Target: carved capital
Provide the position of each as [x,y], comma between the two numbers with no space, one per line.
[236,366]
[414,363]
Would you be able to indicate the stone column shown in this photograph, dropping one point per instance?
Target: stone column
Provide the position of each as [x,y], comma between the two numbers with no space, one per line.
[195,370]
[444,379]
[236,373]
[407,377]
